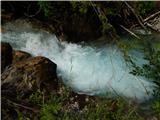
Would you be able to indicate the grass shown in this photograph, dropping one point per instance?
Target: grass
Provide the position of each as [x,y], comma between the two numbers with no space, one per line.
[57,108]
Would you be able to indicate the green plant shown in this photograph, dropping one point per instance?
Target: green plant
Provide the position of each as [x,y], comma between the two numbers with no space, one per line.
[46,7]
[145,7]
[81,7]
[51,110]
[156,107]
[150,70]
[37,97]
[117,109]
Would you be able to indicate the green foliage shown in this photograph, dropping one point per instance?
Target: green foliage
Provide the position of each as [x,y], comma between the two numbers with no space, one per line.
[111,110]
[21,116]
[146,7]
[106,26]
[150,70]
[102,13]
[46,7]
[51,9]
[126,45]
[80,6]
[37,97]
[103,109]
[60,11]
[156,107]
[151,53]
[56,107]
[50,110]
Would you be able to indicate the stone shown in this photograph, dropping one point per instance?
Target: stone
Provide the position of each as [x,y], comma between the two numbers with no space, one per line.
[6,55]
[7,16]
[30,75]
[80,99]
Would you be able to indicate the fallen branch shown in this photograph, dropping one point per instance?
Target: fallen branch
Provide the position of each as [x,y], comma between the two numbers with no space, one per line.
[151,27]
[24,106]
[133,26]
[138,19]
[28,9]
[151,16]
[133,34]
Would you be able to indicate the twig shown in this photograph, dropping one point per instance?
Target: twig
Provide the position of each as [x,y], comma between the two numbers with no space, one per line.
[133,26]
[151,27]
[147,92]
[151,16]
[133,34]
[138,19]
[37,12]
[23,106]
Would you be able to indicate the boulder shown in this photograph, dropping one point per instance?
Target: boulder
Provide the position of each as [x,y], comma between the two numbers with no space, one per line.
[20,56]
[30,75]
[6,55]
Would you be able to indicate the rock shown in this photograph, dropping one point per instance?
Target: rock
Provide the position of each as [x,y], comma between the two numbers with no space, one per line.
[29,75]
[80,99]
[20,56]
[7,16]
[75,100]
[6,55]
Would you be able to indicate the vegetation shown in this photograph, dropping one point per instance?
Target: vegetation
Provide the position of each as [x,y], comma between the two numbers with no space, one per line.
[82,21]
[105,109]
[150,69]
[146,7]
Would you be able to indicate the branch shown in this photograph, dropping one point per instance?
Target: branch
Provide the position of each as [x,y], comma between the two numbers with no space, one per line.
[133,34]
[138,19]
[151,27]
[28,9]
[35,110]
[151,16]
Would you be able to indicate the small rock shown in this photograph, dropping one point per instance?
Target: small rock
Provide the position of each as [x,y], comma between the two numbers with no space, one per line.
[30,74]
[81,99]
[6,55]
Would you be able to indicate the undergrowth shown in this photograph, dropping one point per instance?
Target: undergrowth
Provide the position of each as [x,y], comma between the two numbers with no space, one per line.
[102,110]
[55,107]
[149,70]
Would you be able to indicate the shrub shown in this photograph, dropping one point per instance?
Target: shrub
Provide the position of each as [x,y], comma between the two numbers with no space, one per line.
[146,7]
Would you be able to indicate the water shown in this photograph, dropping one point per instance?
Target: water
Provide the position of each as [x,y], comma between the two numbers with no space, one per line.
[89,70]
